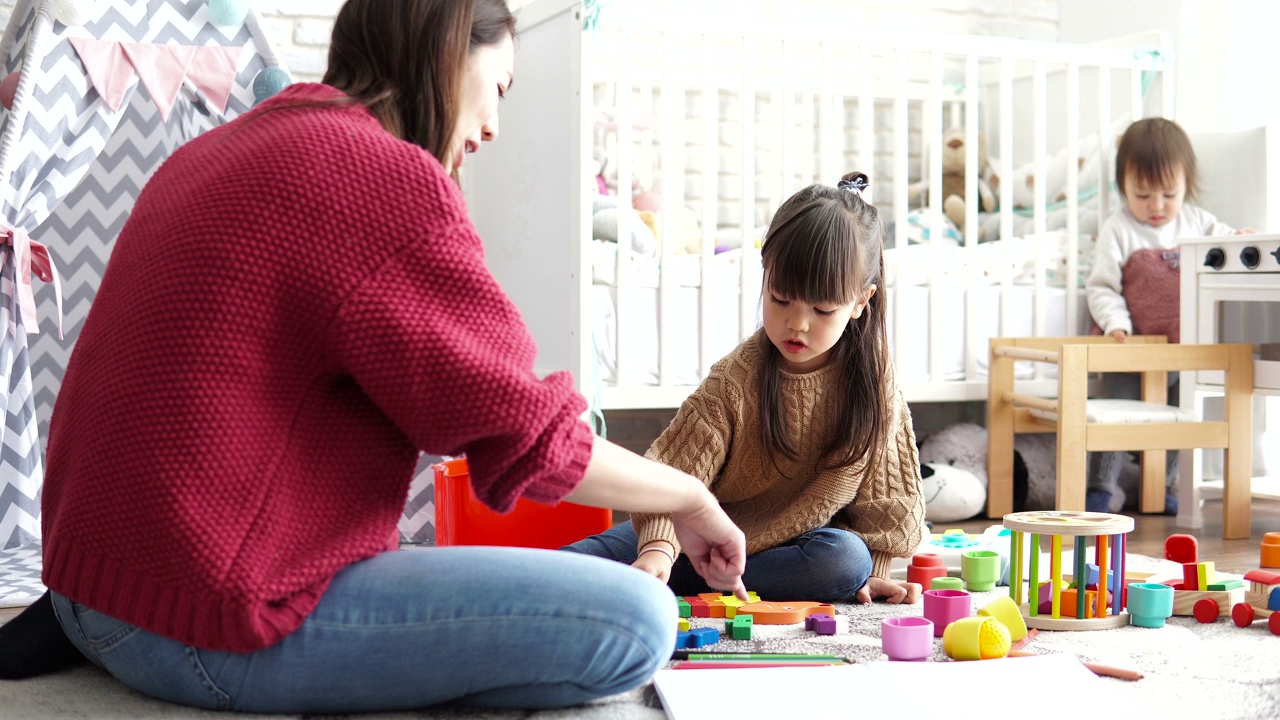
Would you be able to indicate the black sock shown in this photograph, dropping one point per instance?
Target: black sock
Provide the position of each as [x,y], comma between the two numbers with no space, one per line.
[34,644]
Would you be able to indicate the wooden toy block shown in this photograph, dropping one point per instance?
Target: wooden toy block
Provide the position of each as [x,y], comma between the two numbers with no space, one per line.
[715,603]
[1068,607]
[1184,601]
[1271,550]
[731,603]
[697,637]
[739,628]
[1191,576]
[684,625]
[1205,575]
[784,613]
[684,607]
[1180,548]
[697,606]
[1226,585]
[821,623]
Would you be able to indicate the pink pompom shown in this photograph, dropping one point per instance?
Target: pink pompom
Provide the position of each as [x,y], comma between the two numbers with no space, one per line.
[8,89]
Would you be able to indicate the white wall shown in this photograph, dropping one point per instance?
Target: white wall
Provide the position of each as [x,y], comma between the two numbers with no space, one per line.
[1226,77]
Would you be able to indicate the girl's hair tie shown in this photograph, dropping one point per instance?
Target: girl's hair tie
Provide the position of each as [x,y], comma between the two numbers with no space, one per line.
[857,184]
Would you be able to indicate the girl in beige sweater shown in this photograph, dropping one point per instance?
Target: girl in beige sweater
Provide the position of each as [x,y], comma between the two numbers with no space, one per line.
[800,432]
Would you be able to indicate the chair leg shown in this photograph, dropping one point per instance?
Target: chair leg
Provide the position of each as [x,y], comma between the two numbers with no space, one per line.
[1238,471]
[1153,491]
[999,438]
[1073,464]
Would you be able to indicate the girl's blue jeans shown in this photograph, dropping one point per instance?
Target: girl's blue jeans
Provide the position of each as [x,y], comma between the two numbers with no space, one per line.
[823,565]
[480,626]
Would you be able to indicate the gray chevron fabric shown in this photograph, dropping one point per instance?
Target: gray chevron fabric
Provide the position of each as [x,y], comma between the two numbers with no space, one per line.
[70,170]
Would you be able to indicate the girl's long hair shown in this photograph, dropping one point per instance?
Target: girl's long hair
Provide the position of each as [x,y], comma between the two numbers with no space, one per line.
[825,245]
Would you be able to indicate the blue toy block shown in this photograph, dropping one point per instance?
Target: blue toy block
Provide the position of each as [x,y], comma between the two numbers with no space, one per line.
[697,637]
[1273,600]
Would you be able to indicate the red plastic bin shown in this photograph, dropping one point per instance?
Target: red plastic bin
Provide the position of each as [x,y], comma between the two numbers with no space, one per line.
[461,519]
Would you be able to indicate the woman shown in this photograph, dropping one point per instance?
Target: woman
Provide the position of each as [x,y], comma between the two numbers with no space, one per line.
[296,308]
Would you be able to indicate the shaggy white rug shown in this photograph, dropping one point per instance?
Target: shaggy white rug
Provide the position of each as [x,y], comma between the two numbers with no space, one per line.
[1196,671]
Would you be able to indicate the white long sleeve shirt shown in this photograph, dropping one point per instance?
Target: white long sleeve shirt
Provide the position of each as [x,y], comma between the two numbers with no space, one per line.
[1120,237]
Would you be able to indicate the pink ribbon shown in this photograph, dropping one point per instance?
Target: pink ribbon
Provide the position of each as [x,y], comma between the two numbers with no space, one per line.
[30,257]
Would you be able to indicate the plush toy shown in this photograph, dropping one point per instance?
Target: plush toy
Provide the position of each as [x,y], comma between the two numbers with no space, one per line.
[953,169]
[963,447]
[604,224]
[950,493]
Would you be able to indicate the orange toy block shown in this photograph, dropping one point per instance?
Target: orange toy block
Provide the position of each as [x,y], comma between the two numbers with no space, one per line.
[730,603]
[784,613]
[1271,550]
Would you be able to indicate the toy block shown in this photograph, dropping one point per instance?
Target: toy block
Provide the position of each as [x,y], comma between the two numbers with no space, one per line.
[1181,548]
[946,583]
[784,613]
[1271,550]
[1273,600]
[1226,585]
[731,604]
[697,606]
[715,602]
[925,567]
[1205,575]
[1191,576]
[1184,601]
[697,637]
[683,625]
[1068,606]
[683,606]
[739,628]
[820,623]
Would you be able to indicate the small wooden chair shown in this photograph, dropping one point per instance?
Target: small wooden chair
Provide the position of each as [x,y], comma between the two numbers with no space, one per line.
[1083,425]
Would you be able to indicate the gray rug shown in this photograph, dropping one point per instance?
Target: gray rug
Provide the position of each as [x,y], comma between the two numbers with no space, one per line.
[1192,671]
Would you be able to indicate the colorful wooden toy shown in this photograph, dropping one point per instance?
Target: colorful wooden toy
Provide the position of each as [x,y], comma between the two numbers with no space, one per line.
[1180,548]
[697,637]
[785,613]
[821,623]
[1271,550]
[739,628]
[683,625]
[1046,531]
[1262,599]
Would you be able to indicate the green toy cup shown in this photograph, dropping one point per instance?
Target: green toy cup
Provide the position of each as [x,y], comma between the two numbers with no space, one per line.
[980,570]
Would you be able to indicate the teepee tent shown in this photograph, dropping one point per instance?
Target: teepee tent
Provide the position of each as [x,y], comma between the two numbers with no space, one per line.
[99,93]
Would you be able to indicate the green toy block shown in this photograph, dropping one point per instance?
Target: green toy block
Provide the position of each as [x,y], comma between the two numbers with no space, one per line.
[685,609]
[1226,585]
[739,628]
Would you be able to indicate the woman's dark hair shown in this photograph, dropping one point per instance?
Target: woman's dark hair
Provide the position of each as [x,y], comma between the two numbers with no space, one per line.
[825,245]
[1152,150]
[403,59]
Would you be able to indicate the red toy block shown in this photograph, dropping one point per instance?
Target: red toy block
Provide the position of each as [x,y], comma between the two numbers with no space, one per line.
[697,606]
[1191,576]
[1180,548]
[924,568]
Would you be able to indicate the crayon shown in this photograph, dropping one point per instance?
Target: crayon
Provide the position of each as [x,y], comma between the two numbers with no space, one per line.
[731,656]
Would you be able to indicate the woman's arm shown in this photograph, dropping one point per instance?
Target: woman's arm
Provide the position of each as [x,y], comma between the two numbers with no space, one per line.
[622,480]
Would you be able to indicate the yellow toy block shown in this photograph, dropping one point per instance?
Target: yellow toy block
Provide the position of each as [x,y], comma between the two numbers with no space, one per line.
[684,624]
[1205,575]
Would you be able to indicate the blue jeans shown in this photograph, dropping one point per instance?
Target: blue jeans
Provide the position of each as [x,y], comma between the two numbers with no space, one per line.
[823,565]
[480,626]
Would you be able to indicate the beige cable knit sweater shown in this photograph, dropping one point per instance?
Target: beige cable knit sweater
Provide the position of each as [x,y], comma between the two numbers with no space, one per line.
[714,437]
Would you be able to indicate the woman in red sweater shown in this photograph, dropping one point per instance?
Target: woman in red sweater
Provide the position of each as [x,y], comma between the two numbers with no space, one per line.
[297,307]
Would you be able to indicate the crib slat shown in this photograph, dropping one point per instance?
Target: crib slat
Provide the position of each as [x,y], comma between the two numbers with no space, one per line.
[972,339]
[1070,284]
[622,280]
[788,119]
[1006,193]
[708,287]
[829,168]
[866,118]
[1106,148]
[1135,94]
[1040,128]
[673,196]
[933,134]
[746,303]
[901,323]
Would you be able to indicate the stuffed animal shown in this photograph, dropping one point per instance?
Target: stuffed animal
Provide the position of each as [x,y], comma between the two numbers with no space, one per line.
[963,447]
[953,169]
[950,493]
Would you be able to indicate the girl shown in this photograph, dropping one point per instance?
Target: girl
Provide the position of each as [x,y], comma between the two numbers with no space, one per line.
[1155,172]
[800,432]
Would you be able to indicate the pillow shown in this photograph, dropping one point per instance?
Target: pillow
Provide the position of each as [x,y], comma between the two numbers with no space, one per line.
[1151,287]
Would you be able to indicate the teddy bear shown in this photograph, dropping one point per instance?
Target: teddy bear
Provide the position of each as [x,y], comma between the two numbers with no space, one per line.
[961,450]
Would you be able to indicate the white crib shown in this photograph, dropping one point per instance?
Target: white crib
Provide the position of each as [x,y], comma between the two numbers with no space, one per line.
[664,102]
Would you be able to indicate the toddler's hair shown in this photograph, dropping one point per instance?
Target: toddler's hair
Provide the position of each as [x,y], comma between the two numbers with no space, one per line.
[825,245]
[1151,150]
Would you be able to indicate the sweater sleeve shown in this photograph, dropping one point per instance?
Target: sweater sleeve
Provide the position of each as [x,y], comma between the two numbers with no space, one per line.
[888,511]
[1210,225]
[1103,286]
[696,442]
[439,348]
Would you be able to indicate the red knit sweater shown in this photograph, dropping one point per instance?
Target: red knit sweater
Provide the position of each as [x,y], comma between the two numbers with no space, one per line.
[297,305]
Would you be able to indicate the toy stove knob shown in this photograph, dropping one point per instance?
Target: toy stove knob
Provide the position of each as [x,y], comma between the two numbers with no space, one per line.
[1276,254]
[1250,256]
[1215,258]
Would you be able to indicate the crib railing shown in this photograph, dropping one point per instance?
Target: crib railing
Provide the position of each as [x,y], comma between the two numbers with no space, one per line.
[731,122]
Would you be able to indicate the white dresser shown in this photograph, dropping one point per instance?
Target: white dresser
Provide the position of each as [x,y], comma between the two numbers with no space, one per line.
[1242,271]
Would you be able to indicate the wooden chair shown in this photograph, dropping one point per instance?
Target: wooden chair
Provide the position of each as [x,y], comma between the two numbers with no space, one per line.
[1083,425]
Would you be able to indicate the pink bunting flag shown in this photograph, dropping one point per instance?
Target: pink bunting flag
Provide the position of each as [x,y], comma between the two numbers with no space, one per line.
[109,70]
[212,69]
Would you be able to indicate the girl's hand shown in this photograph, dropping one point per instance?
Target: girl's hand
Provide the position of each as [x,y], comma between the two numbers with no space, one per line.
[657,564]
[880,589]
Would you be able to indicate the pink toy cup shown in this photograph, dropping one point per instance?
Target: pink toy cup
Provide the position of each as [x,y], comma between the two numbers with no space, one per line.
[907,638]
[944,607]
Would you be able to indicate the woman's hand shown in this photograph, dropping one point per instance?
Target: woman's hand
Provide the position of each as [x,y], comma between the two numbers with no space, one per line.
[907,593]
[715,546]
[1119,335]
